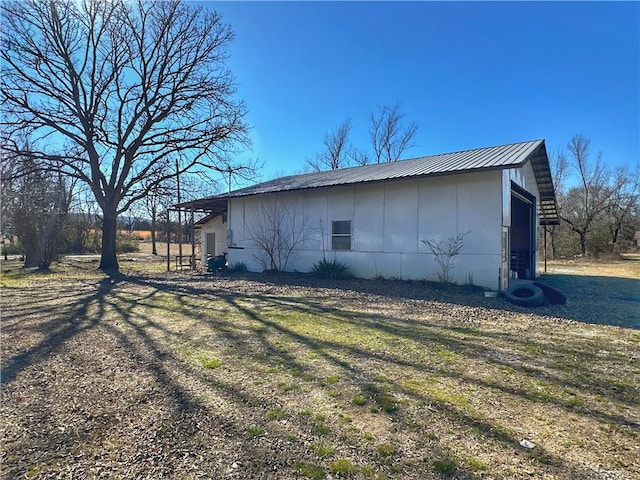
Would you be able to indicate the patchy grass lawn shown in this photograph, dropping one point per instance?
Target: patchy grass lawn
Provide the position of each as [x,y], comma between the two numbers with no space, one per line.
[155,375]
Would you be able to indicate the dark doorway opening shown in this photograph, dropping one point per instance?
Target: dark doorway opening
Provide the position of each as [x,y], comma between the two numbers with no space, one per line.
[210,244]
[522,241]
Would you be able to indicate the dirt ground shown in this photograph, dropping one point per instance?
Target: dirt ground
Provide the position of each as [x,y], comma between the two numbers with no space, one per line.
[187,375]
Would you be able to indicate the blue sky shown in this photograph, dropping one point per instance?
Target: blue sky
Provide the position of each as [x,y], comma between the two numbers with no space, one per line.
[468,74]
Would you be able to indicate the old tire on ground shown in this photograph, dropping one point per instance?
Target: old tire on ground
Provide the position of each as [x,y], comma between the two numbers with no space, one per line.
[551,294]
[525,295]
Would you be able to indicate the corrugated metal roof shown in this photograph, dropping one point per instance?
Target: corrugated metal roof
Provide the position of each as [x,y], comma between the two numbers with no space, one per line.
[489,158]
[503,156]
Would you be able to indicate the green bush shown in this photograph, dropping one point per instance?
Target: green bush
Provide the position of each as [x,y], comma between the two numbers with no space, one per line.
[238,267]
[332,269]
[126,244]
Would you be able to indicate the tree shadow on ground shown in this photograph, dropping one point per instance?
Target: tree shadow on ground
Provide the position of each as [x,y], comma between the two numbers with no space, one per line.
[145,314]
[430,336]
[72,312]
[590,299]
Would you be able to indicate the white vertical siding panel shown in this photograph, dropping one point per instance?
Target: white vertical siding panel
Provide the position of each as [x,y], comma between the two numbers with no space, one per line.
[315,218]
[479,212]
[340,203]
[400,217]
[437,214]
[243,210]
[418,266]
[372,264]
[368,218]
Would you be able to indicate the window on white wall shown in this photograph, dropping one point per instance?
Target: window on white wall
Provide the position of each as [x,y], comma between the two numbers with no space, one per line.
[341,235]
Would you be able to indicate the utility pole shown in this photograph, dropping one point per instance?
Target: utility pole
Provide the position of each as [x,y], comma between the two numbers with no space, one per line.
[230,172]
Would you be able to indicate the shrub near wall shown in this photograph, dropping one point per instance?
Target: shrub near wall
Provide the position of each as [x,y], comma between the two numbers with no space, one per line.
[331,269]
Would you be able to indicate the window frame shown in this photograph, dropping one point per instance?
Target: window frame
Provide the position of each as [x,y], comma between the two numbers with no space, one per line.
[340,235]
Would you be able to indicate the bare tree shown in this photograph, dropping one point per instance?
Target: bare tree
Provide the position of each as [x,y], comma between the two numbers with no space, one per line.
[276,231]
[158,199]
[109,90]
[336,144]
[237,172]
[8,195]
[83,224]
[583,204]
[625,193]
[388,136]
[134,216]
[38,213]
[358,157]
[559,171]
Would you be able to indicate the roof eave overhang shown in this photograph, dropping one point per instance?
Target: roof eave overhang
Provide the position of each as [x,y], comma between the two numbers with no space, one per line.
[542,172]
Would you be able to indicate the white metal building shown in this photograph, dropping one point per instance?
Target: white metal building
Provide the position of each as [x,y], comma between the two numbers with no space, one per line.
[374,218]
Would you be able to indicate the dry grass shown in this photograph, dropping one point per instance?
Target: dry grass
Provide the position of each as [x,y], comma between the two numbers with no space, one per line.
[607,293]
[155,375]
[627,267]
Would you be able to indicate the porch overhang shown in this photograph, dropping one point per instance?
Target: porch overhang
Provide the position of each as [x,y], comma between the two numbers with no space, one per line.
[212,206]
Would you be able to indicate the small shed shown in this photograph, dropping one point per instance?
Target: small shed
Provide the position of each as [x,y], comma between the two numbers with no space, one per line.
[376,218]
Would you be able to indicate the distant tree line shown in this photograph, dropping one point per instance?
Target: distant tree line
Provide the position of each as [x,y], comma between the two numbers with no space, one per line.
[598,204]
[47,214]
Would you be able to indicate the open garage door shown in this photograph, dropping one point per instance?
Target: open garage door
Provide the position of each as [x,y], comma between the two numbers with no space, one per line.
[522,237]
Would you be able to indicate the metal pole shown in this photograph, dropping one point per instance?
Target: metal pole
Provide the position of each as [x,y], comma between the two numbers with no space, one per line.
[168,243]
[545,249]
[193,243]
[179,211]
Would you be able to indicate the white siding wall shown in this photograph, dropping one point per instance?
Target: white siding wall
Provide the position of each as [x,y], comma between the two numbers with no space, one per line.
[523,177]
[389,220]
[220,230]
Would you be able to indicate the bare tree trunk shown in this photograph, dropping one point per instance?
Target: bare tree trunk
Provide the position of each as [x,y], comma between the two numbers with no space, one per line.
[154,250]
[554,247]
[108,259]
[583,243]
[30,257]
